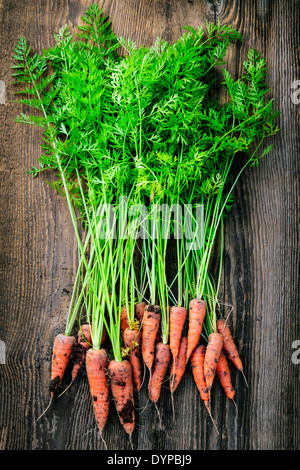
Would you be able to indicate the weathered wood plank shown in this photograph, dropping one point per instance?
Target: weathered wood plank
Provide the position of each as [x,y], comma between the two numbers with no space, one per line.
[261,248]
[38,253]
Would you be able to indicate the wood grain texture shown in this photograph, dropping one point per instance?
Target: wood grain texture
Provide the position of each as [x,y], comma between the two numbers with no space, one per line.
[261,270]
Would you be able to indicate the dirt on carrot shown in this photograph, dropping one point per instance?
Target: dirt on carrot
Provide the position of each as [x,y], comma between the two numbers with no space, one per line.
[62,349]
[78,355]
[224,376]
[229,345]
[212,356]
[131,342]
[120,374]
[178,366]
[149,332]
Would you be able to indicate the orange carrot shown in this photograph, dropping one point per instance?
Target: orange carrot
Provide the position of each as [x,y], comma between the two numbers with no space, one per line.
[122,390]
[223,374]
[179,365]
[197,363]
[78,355]
[139,311]
[131,341]
[212,356]
[176,322]
[162,359]
[96,368]
[62,349]
[124,320]
[229,346]
[149,332]
[197,312]
[84,336]
[83,343]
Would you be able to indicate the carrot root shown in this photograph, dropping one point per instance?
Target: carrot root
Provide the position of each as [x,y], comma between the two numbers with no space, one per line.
[223,374]
[139,311]
[62,349]
[197,363]
[46,409]
[177,320]
[212,356]
[162,359]
[208,407]
[131,341]
[197,313]
[229,345]
[122,390]
[149,333]
[96,367]
[124,320]
[83,343]
[178,365]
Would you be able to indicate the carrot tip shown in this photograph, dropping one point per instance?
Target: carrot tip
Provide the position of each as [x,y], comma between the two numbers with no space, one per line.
[47,408]
[235,404]
[207,404]
[66,388]
[245,378]
[159,416]
[130,440]
[102,439]
[173,407]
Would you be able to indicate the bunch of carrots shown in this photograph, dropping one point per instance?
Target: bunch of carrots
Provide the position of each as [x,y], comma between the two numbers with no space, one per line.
[130,132]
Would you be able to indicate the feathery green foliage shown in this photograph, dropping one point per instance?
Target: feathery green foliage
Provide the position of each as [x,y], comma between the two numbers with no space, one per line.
[146,126]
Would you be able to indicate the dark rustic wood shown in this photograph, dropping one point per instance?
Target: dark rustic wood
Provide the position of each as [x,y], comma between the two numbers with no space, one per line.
[261,268]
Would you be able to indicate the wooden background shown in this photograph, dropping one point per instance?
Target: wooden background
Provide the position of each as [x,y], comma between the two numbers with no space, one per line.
[261,268]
